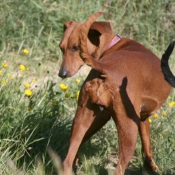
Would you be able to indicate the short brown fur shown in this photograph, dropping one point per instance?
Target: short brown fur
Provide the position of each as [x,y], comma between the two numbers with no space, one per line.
[127,82]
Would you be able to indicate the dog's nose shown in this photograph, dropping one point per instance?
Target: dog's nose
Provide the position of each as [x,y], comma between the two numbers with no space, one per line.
[62,74]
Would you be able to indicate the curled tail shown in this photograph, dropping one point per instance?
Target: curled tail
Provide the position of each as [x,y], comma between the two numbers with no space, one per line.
[165,67]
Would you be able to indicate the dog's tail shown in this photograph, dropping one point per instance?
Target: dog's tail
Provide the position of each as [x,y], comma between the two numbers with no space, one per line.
[84,53]
[165,67]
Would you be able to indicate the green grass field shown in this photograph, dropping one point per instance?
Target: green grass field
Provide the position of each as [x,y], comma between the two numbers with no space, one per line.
[37,107]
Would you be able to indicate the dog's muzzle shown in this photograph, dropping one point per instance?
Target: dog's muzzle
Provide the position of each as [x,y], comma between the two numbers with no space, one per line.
[62,74]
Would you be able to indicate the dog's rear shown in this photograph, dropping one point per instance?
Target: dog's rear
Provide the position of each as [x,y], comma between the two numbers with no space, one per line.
[165,67]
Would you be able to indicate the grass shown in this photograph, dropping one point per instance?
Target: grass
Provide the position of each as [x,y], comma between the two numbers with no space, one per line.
[35,129]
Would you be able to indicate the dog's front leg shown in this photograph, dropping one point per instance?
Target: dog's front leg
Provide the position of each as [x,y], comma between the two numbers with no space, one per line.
[85,124]
[101,118]
[82,121]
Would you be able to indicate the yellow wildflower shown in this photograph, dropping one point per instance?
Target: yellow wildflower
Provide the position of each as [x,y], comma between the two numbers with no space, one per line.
[28,109]
[150,120]
[22,67]
[172,103]
[3,82]
[77,81]
[63,87]
[54,103]
[77,94]
[1,72]
[164,114]
[156,115]
[33,80]
[67,95]
[8,74]
[28,92]
[25,51]
[27,85]
[4,64]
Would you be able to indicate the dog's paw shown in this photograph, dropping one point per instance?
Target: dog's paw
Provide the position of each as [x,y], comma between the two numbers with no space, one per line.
[146,172]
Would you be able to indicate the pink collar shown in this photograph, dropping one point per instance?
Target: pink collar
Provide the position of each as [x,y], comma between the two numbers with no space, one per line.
[114,41]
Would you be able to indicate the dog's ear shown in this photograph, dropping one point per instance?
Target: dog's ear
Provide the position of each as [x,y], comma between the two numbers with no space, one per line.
[102,27]
[97,29]
[67,24]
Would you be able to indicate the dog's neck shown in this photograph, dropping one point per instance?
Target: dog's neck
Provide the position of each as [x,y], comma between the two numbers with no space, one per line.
[114,41]
[97,52]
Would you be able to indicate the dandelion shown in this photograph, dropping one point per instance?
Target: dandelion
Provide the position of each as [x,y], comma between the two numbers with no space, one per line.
[63,87]
[77,94]
[28,109]
[8,74]
[27,85]
[172,103]
[156,115]
[1,72]
[33,80]
[54,103]
[67,95]
[150,120]
[160,135]
[77,81]
[3,82]
[4,64]
[22,67]
[25,51]
[28,92]
[164,114]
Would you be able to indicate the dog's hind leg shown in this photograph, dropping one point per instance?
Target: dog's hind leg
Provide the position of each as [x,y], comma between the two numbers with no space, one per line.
[126,111]
[127,137]
[149,165]
[149,107]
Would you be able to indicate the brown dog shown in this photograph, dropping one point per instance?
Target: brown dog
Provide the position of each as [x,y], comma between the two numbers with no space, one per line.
[134,89]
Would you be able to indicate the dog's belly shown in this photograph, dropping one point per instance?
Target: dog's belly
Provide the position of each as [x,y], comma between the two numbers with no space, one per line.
[148,106]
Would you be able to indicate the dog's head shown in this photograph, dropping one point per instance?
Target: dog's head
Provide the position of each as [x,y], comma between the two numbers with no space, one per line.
[99,93]
[70,44]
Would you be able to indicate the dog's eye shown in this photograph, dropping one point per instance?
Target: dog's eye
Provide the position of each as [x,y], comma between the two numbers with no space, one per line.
[74,48]
[102,78]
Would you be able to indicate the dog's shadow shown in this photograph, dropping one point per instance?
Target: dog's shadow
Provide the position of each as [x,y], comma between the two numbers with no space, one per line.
[129,108]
